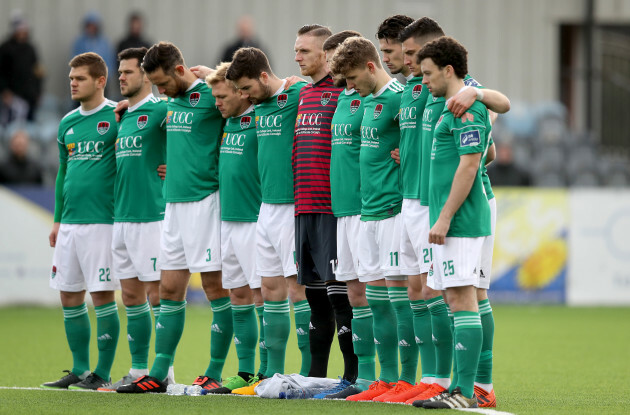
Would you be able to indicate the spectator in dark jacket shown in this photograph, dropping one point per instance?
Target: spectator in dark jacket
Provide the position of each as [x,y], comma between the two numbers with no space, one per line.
[20,72]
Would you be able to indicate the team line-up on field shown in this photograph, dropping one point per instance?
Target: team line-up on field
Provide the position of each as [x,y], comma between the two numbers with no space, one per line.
[362,201]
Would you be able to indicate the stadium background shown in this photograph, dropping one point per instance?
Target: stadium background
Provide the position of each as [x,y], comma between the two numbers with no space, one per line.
[564,64]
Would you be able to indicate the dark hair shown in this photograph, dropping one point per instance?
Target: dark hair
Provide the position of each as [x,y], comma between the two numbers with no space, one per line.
[445,51]
[133,53]
[249,62]
[135,15]
[95,64]
[316,30]
[163,55]
[337,39]
[392,26]
[425,26]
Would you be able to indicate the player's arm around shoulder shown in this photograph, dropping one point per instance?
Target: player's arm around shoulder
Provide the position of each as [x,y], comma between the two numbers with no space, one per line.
[493,100]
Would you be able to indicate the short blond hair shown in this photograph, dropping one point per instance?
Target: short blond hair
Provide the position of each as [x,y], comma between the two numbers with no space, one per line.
[218,75]
[353,53]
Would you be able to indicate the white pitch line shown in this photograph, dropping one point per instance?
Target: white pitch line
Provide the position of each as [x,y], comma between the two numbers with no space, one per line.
[44,389]
[485,411]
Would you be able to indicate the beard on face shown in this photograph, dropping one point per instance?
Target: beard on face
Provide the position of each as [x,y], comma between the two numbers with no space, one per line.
[131,91]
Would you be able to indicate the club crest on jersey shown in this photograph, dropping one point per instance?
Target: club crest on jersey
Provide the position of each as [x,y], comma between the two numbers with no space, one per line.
[325,98]
[439,121]
[142,121]
[467,117]
[245,121]
[194,98]
[282,100]
[377,110]
[53,274]
[416,91]
[354,105]
[102,127]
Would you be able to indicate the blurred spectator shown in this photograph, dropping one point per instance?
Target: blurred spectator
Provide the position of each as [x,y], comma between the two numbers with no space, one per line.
[20,72]
[134,37]
[13,109]
[19,167]
[504,172]
[246,38]
[93,40]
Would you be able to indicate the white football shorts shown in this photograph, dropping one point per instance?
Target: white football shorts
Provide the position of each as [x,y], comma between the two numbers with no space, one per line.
[191,235]
[83,258]
[136,249]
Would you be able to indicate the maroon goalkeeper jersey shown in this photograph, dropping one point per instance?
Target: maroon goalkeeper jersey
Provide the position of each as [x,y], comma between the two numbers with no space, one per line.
[311,147]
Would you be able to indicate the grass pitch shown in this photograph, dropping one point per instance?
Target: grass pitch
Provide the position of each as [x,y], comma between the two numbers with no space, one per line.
[547,360]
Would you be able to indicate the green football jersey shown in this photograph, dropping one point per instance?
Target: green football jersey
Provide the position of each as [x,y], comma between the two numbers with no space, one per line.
[412,103]
[193,132]
[380,134]
[453,138]
[275,128]
[238,169]
[432,110]
[484,174]
[86,146]
[345,179]
[140,149]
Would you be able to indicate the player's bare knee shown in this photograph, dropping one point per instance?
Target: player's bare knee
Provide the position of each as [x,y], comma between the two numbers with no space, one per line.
[72,299]
[429,293]
[131,298]
[100,298]
[297,293]
[356,293]
[482,294]
[241,295]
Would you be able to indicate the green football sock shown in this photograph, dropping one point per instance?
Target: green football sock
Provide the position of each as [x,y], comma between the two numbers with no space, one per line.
[156,315]
[107,332]
[262,348]
[468,338]
[139,334]
[156,312]
[302,319]
[168,332]
[277,323]
[422,329]
[77,325]
[442,337]
[484,370]
[363,342]
[385,334]
[221,332]
[407,346]
[245,336]
[452,326]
